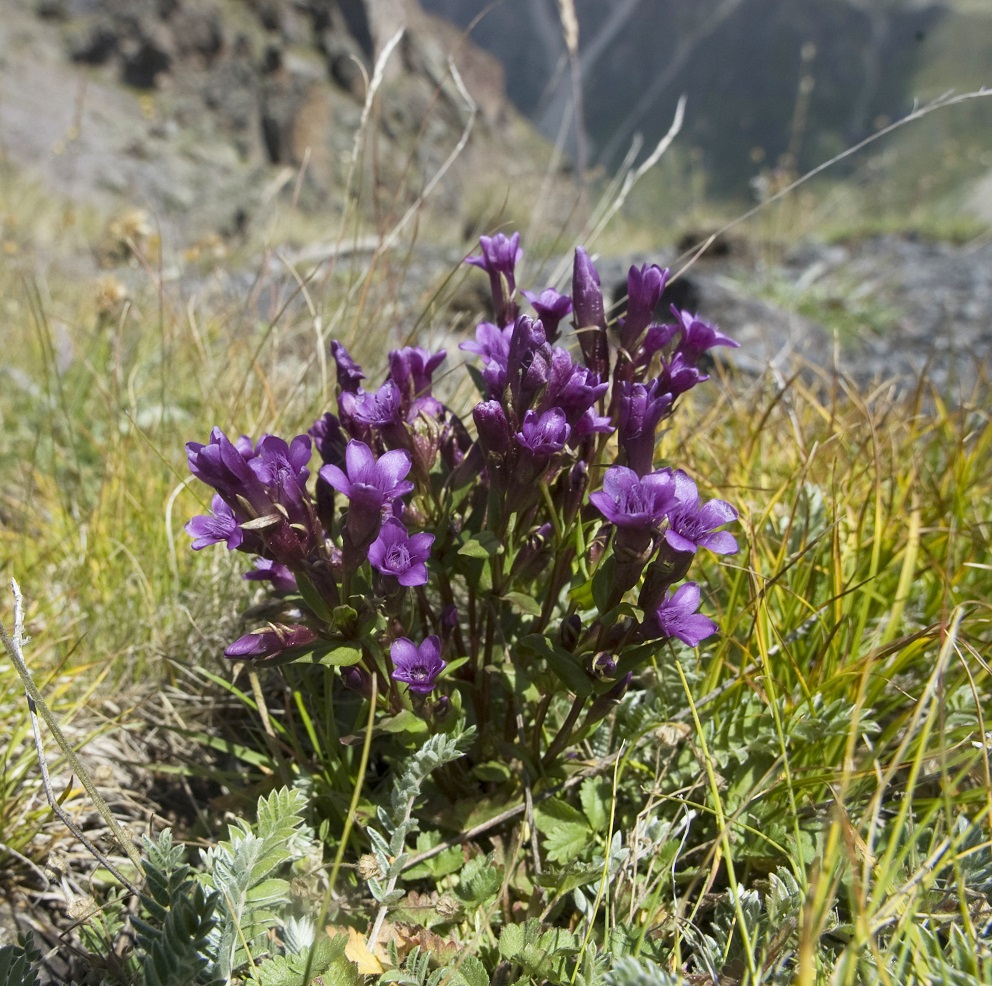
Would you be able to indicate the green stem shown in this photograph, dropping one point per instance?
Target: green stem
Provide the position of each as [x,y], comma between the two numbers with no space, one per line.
[565,733]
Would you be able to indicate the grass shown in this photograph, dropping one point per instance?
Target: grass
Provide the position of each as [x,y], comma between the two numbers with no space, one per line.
[806,800]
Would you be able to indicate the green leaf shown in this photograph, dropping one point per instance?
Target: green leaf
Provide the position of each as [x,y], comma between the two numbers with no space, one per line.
[563,663]
[565,829]
[492,771]
[467,970]
[581,595]
[406,723]
[524,603]
[602,584]
[342,655]
[485,544]
[480,880]
[511,940]
[595,794]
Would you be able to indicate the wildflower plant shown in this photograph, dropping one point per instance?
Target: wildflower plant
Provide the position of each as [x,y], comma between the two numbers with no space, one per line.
[516,570]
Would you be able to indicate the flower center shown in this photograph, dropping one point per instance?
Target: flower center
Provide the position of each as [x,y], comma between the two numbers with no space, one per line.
[397,558]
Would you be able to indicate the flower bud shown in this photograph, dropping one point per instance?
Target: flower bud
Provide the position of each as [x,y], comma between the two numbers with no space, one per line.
[589,314]
[569,632]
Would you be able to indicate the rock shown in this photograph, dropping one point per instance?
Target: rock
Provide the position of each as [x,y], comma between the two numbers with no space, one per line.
[136,83]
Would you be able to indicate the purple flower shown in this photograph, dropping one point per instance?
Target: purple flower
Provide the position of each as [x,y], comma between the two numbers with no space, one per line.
[655,339]
[500,255]
[370,481]
[417,666]
[266,485]
[589,314]
[677,616]
[270,641]
[491,342]
[378,410]
[641,408]
[571,387]
[283,469]
[551,308]
[633,501]
[678,375]
[280,576]
[543,435]
[493,345]
[698,336]
[350,374]
[329,438]
[369,484]
[395,553]
[224,466]
[528,363]
[692,525]
[219,525]
[591,424]
[412,370]
[493,428]
[644,289]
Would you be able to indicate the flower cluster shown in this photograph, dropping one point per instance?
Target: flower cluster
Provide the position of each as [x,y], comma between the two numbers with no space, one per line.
[549,551]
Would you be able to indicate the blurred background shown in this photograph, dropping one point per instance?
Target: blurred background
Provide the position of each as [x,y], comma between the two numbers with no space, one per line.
[210,117]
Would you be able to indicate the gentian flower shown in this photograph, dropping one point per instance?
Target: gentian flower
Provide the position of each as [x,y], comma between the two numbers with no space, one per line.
[369,485]
[493,428]
[412,370]
[500,255]
[394,552]
[692,525]
[543,435]
[641,408]
[224,466]
[350,374]
[551,308]
[698,336]
[528,362]
[417,666]
[571,387]
[591,423]
[655,339]
[329,438]
[589,313]
[677,616]
[644,289]
[270,641]
[629,500]
[491,342]
[378,410]
[219,525]
[280,576]
[493,345]
[266,485]
[678,376]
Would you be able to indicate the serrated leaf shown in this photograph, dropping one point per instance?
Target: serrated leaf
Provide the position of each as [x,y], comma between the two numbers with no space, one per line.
[480,880]
[511,940]
[468,971]
[565,829]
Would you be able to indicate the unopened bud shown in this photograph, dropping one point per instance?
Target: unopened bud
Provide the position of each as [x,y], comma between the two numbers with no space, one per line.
[569,631]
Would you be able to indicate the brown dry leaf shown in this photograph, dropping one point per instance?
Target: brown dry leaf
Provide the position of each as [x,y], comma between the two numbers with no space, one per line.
[442,949]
